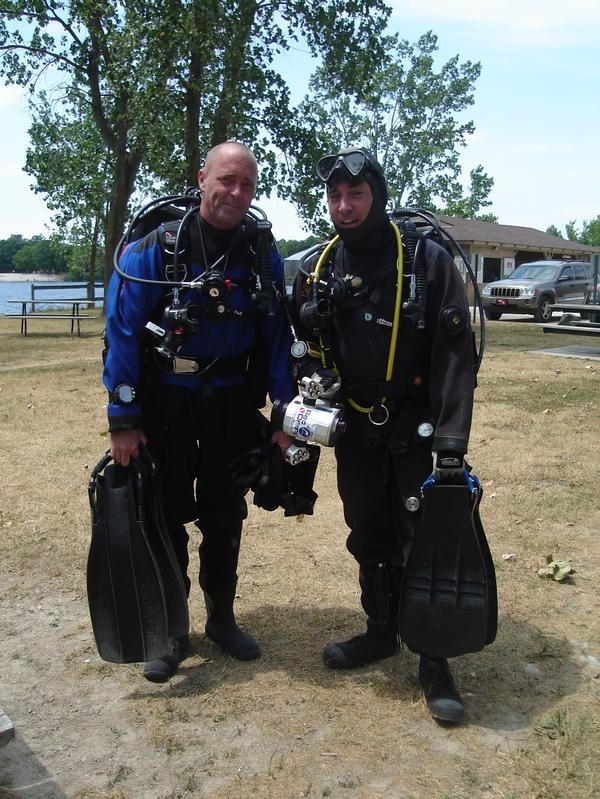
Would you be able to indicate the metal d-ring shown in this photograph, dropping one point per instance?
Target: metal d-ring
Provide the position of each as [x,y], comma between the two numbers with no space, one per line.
[372,420]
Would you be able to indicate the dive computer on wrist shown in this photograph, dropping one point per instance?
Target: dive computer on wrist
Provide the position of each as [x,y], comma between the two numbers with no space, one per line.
[123,394]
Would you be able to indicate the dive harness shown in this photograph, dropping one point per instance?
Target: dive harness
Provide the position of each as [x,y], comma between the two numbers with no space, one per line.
[413,228]
[374,410]
[172,214]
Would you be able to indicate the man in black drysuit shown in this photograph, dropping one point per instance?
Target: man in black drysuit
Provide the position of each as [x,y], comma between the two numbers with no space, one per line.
[198,423]
[407,377]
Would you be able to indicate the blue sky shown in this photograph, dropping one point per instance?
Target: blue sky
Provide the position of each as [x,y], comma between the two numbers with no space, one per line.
[536,111]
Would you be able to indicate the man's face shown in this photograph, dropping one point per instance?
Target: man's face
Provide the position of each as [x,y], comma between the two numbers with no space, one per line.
[349,204]
[228,184]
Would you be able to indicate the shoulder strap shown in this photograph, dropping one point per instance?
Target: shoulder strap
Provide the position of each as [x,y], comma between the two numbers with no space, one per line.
[169,237]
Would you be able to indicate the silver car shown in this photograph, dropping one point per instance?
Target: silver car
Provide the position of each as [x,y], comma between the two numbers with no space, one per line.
[533,288]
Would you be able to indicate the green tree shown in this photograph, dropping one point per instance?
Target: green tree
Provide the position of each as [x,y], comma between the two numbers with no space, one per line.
[572,233]
[163,80]
[8,248]
[290,246]
[589,233]
[114,57]
[468,206]
[407,113]
[70,164]
[41,255]
[554,231]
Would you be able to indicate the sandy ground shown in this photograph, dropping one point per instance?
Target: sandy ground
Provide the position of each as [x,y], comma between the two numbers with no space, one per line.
[27,277]
[284,726]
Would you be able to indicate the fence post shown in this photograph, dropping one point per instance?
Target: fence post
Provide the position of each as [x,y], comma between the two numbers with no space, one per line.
[476,273]
[595,261]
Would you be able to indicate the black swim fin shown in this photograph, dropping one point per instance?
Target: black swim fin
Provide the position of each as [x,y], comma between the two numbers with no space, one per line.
[448,603]
[162,547]
[135,592]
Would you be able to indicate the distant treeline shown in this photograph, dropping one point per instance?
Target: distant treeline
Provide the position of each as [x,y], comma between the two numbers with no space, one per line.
[18,254]
[53,257]
[290,246]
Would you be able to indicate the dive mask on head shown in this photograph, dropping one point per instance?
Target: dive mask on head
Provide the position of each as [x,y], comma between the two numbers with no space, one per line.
[354,160]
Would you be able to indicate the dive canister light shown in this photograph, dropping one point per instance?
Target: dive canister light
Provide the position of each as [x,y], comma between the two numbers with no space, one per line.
[309,420]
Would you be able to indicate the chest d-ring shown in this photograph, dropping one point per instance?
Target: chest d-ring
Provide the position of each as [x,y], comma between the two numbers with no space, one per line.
[378,408]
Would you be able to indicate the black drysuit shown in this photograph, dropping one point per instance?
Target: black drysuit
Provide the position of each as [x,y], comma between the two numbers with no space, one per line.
[380,468]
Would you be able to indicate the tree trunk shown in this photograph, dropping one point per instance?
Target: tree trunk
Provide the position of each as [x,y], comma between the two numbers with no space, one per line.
[125,171]
[233,65]
[206,23]
[192,120]
[91,283]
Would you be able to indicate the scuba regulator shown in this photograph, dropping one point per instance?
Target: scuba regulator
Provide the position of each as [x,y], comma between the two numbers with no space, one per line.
[413,225]
[173,214]
[313,415]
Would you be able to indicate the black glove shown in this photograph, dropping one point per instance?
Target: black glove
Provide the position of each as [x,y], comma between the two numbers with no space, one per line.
[261,469]
[449,467]
[269,493]
[252,468]
[299,498]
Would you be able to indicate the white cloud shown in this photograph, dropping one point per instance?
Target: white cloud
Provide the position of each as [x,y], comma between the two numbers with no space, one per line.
[10,95]
[507,13]
[535,22]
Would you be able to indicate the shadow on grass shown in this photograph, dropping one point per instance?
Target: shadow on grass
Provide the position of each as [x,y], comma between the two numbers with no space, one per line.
[522,675]
[23,776]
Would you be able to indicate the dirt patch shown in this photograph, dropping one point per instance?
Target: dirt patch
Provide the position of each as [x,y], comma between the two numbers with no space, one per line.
[284,726]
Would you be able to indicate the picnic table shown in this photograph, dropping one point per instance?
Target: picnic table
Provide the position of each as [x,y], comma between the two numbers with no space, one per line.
[569,324]
[75,317]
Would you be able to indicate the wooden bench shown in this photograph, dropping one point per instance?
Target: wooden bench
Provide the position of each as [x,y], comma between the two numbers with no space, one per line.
[573,328]
[75,316]
[75,319]
[570,324]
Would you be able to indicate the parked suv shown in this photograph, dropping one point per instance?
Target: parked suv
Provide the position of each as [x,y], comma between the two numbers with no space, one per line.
[533,288]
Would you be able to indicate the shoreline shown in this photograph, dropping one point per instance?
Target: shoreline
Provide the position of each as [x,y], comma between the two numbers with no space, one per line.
[29,277]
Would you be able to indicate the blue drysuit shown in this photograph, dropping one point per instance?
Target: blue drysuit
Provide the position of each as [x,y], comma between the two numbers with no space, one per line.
[197,424]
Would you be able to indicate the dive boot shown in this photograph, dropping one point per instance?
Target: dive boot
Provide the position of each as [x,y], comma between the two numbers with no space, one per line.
[442,699]
[375,644]
[221,627]
[165,667]
[379,598]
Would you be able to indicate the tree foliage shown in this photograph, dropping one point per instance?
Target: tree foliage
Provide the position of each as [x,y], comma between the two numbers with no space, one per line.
[588,233]
[70,163]
[161,81]
[41,255]
[8,248]
[468,206]
[111,59]
[408,114]
[290,246]
[37,254]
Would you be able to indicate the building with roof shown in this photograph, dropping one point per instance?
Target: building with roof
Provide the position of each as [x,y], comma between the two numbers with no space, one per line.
[495,250]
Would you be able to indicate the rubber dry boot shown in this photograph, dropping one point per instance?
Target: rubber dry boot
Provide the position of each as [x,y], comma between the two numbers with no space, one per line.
[442,698]
[222,628]
[375,644]
[379,600]
[165,667]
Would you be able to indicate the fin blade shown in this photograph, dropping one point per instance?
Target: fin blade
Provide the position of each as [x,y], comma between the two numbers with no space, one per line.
[125,592]
[448,604]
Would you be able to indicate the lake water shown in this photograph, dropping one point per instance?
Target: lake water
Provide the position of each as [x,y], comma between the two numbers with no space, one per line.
[21,290]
